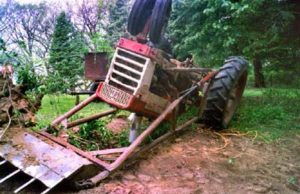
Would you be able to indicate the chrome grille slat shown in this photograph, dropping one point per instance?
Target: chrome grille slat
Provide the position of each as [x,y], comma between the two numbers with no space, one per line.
[122,84]
[128,68]
[10,175]
[131,61]
[2,162]
[24,185]
[126,76]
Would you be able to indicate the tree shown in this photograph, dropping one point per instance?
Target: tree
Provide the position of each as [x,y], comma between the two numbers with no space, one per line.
[66,56]
[29,28]
[118,14]
[27,32]
[5,10]
[211,30]
[89,18]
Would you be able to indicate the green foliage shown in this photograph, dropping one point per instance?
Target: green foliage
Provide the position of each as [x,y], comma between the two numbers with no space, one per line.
[273,113]
[294,183]
[118,14]
[212,30]
[25,73]
[7,56]
[101,44]
[27,78]
[66,56]
[92,136]
[122,139]
[220,28]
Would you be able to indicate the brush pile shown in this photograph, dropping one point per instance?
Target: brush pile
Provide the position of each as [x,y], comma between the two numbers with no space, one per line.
[15,107]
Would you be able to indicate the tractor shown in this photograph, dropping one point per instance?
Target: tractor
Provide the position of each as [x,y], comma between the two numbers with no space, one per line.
[142,78]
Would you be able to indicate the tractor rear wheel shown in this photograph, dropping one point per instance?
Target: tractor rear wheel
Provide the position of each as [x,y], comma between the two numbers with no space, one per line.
[159,20]
[225,92]
[139,15]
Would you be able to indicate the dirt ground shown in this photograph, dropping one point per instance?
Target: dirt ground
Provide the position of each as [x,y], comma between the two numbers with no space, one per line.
[196,162]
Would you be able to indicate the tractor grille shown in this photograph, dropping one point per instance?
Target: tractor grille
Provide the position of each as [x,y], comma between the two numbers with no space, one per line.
[127,70]
[116,95]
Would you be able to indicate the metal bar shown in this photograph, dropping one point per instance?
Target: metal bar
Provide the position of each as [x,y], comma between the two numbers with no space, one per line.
[24,185]
[131,61]
[209,76]
[91,118]
[126,76]
[102,175]
[77,150]
[2,162]
[74,110]
[81,93]
[205,70]
[164,137]
[120,83]
[10,175]
[149,130]
[108,151]
[128,68]
[133,53]
[46,191]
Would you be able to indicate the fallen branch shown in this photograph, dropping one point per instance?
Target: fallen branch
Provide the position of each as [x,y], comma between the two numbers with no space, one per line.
[7,127]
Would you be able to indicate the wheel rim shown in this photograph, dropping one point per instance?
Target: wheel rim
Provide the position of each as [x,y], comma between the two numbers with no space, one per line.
[234,99]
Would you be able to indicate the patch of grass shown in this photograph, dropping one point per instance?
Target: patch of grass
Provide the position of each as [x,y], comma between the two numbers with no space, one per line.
[92,136]
[273,113]
[54,106]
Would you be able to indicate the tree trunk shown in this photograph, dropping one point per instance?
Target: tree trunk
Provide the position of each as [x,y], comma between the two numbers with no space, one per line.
[259,80]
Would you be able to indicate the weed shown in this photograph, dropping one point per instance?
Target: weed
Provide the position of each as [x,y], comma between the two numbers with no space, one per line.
[292,180]
[231,161]
[122,139]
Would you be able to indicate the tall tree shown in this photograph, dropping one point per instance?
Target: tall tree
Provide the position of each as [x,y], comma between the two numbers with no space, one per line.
[66,55]
[214,29]
[5,10]
[27,32]
[118,14]
[30,27]
[90,18]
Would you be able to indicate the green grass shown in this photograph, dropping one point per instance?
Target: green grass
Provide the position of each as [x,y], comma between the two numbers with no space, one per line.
[273,113]
[54,106]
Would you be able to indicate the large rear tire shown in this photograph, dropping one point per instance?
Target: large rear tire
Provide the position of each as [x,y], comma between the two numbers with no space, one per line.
[225,92]
[159,19]
[139,15]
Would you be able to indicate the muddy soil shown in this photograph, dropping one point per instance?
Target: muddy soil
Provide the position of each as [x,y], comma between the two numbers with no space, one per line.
[196,162]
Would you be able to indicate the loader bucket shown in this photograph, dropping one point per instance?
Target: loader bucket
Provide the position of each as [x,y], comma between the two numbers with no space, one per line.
[43,160]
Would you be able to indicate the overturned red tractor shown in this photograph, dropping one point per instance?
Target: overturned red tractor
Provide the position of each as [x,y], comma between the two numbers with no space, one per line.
[144,79]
